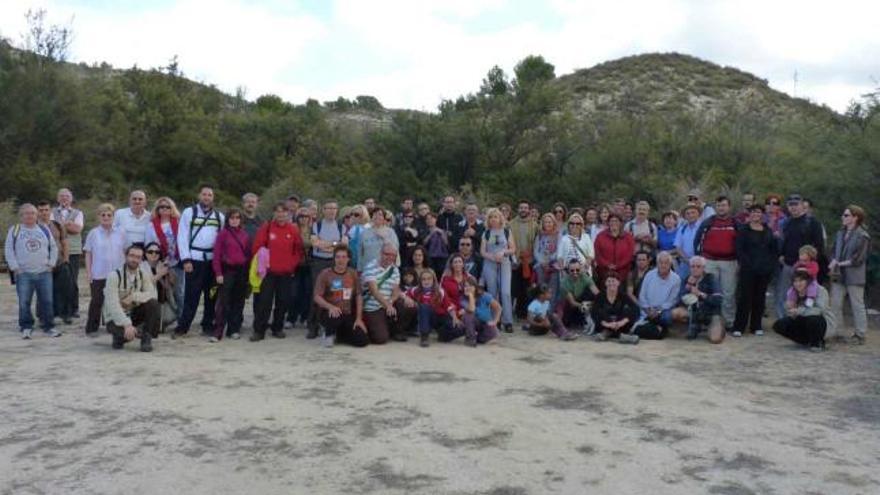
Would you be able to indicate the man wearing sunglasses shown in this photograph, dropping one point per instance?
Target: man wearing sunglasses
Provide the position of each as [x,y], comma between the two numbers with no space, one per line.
[577,289]
[693,198]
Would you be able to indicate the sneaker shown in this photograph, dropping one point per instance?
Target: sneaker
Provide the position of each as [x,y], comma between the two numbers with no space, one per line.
[759,333]
[327,341]
[118,342]
[508,328]
[737,333]
[470,342]
[820,347]
[857,339]
[213,339]
[312,333]
[146,347]
[52,333]
[599,337]
[279,334]
[257,337]
[288,325]
[628,338]
[27,333]
[67,320]
[424,341]
[692,333]
[235,336]
[399,337]
[92,334]
[569,336]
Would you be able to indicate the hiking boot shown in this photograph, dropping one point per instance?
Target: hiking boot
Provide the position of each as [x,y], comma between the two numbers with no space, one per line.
[256,337]
[67,320]
[279,334]
[820,347]
[312,333]
[399,337]
[508,328]
[569,336]
[628,338]
[146,346]
[599,337]
[118,341]
[470,342]
[424,341]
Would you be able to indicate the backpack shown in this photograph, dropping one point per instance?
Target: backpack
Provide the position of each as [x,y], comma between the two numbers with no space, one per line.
[193,235]
[506,234]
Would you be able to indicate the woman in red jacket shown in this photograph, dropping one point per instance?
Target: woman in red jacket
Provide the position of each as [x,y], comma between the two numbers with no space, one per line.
[232,252]
[614,249]
[435,310]
[453,283]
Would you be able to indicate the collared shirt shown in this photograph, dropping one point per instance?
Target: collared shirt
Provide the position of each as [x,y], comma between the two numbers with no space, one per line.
[684,239]
[135,227]
[108,250]
[62,215]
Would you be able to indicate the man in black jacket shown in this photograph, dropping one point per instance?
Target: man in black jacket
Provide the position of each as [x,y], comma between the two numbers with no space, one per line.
[799,230]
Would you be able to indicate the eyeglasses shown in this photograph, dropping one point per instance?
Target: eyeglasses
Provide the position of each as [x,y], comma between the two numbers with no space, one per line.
[692,198]
[163,207]
[106,215]
[356,215]
[152,251]
[575,223]
[773,203]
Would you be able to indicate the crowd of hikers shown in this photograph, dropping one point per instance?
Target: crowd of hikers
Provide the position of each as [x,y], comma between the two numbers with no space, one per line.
[365,275]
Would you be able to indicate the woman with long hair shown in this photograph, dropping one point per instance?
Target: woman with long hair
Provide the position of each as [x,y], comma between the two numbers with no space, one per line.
[163,231]
[497,250]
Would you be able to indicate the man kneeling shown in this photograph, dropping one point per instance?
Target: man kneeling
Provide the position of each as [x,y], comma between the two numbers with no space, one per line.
[701,299]
[130,301]
[386,312]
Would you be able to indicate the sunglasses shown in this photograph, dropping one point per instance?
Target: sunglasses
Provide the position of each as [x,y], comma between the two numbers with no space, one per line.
[773,203]
[356,215]
[558,211]
[575,223]
[106,215]
[163,207]
[152,251]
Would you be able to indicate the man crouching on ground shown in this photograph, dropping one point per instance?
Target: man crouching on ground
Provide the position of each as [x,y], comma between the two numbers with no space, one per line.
[130,301]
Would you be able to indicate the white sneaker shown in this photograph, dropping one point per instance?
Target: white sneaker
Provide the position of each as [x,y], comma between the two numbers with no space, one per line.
[759,333]
[213,340]
[26,333]
[288,325]
[327,341]
[235,336]
[53,333]
[737,334]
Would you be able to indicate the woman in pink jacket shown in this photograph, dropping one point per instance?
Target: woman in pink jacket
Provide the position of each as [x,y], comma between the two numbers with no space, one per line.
[232,255]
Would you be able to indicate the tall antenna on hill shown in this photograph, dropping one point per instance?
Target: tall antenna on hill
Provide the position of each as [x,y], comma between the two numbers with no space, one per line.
[794,88]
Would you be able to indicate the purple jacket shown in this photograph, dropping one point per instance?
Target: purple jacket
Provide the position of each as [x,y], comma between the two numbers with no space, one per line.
[232,247]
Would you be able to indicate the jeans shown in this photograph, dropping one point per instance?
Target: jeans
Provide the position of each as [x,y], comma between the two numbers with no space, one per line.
[25,286]
[725,272]
[497,278]
[857,304]
[479,331]
[301,294]
[179,287]
[428,318]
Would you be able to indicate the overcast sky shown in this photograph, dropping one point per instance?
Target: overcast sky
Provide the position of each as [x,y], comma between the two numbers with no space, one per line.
[414,53]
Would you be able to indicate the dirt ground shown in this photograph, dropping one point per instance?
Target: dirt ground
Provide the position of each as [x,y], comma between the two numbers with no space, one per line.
[531,415]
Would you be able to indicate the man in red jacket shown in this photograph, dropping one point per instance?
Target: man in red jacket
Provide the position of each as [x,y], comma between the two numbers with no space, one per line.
[716,241]
[282,238]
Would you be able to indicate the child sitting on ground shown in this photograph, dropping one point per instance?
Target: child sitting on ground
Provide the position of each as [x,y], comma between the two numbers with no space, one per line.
[542,320]
[482,314]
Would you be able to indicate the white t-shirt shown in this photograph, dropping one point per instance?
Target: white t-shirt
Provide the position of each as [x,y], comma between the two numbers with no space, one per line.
[135,227]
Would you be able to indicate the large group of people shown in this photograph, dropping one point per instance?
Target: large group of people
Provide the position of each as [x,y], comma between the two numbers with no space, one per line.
[365,275]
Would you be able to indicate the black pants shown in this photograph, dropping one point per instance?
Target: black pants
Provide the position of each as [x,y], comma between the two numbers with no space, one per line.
[230,300]
[301,295]
[61,291]
[275,290]
[751,294]
[198,284]
[806,330]
[343,329]
[147,315]
[572,316]
[519,289]
[96,290]
[73,294]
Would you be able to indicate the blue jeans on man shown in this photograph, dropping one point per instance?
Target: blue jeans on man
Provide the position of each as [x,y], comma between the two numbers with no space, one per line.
[26,284]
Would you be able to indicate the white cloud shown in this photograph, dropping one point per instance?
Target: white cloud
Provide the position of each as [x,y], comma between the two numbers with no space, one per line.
[428,50]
